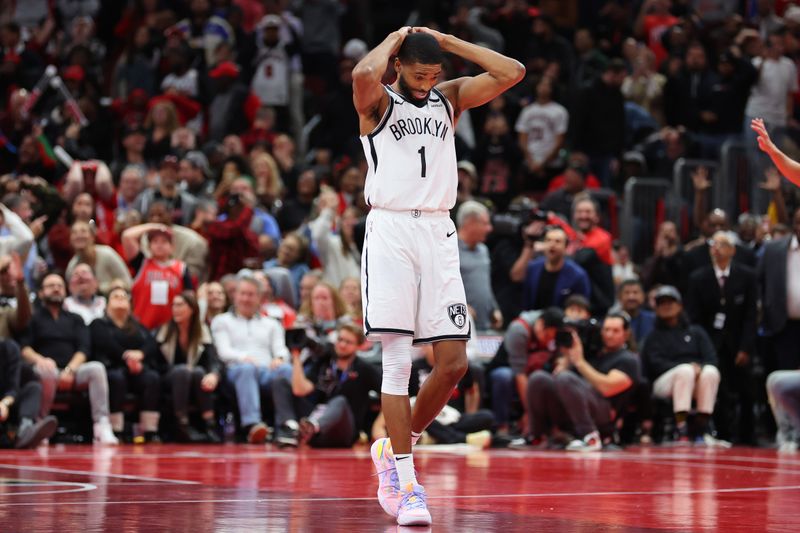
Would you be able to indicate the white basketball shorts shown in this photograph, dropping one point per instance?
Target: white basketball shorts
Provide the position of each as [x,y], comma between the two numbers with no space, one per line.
[410,277]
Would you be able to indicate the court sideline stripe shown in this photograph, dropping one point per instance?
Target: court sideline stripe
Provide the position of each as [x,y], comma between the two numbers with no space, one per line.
[100,474]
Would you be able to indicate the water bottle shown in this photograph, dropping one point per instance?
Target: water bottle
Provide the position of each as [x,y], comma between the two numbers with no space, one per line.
[229,428]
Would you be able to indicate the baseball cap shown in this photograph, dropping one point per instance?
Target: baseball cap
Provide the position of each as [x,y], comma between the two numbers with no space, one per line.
[169,161]
[468,167]
[226,69]
[271,21]
[668,291]
[198,159]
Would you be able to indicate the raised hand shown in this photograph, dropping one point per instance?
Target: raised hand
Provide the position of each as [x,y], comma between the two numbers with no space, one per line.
[764,142]
[700,179]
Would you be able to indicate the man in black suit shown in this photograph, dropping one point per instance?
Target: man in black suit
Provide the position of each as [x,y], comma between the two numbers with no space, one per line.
[722,299]
[779,283]
[700,255]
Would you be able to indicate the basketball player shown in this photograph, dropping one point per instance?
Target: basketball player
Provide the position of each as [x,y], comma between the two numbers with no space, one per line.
[412,289]
[786,165]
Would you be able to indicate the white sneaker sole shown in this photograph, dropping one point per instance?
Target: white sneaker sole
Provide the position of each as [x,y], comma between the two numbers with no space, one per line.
[417,519]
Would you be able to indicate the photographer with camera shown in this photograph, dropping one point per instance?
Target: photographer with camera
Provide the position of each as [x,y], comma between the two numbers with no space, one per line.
[330,392]
[589,385]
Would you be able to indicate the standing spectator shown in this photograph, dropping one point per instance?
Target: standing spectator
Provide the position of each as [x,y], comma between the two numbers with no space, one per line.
[233,107]
[780,297]
[276,59]
[159,278]
[681,363]
[542,127]
[107,265]
[665,266]
[645,85]
[723,300]
[653,21]
[297,209]
[161,122]
[474,226]
[230,239]
[560,200]
[331,394]
[133,363]
[254,349]
[687,95]
[550,279]
[193,368]
[57,344]
[599,121]
[771,98]
[497,157]
[205,31]
[83,299]
[20,399]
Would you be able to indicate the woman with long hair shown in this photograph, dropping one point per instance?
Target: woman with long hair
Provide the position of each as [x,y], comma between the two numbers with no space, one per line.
[350,292]
[161,121]
[324,311]
[193,368]
[268,183]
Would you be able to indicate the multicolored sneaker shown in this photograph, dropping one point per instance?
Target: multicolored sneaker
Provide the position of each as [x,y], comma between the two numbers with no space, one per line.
[388,482]
[413,510]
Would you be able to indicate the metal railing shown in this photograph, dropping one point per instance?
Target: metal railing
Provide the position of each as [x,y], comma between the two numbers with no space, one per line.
[647,203]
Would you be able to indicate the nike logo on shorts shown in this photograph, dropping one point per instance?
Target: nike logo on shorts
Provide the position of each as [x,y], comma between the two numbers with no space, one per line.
[450,234]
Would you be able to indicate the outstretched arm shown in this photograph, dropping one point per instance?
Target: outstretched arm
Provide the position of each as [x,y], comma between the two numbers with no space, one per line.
[368,93]
[501,73]
[788,167]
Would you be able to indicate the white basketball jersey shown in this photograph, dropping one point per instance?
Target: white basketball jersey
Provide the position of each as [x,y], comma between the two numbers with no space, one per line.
[412,156]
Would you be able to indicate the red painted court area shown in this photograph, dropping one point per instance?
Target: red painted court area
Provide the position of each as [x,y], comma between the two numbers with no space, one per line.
[249,488]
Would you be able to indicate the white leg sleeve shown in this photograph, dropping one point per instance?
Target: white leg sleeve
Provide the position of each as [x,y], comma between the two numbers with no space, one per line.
[396,363]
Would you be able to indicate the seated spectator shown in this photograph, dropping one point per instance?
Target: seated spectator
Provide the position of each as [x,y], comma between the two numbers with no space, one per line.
[577,307]
[526,348]
[461,420]
[585,391]
[212,300]
[542,128]
[307,283]
[350,293]
[20,400]
[271,304]
[83,299]
[181,203]
[106,263]
[56,343]
[292,255]
[329,395]
[631,300]
[254,349]
[550,279]
[193,368]
[340,256]
[133,363]
[159,278]
[681,363]
[783,392]
[297,209]
[623,267]
[325,312]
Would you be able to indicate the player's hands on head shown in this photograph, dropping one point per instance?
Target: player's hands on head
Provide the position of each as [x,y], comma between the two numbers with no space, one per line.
[439,36]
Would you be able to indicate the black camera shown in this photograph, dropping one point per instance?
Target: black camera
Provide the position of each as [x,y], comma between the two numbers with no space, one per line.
[518,216]
[298,339]
[233,200]
[588,332]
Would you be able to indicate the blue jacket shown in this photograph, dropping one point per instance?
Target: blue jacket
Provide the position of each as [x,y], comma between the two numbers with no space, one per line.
[571,280]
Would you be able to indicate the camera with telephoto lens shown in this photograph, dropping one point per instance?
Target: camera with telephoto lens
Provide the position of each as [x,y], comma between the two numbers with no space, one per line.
[518,216]
[302,338]
[588,332]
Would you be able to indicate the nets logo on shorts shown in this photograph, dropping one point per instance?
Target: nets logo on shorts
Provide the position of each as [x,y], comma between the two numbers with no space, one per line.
[457,314]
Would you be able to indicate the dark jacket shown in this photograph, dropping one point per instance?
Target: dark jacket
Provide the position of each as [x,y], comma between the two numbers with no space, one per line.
[572,279]
[700,256]
[665,348]
[203,355]
[598,123]
[772,284]
[738,302]
[109,342]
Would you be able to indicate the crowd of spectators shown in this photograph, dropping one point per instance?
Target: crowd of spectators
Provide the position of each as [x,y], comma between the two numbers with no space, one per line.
[182,220]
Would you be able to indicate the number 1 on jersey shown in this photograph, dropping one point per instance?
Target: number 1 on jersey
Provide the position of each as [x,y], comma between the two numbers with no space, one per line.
[421,153]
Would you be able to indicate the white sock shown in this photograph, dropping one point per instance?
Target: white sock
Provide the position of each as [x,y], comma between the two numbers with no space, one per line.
[404,462]
[415,437]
